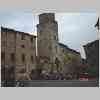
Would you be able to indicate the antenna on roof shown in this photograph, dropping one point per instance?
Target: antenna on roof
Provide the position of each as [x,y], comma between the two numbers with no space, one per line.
[97,26]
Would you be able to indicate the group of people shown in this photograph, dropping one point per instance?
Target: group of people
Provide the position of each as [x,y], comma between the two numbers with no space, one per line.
[51,76]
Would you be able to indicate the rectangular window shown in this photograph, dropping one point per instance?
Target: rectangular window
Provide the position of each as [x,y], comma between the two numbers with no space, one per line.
[63,50]
[23,36]
[23,58]
[55,38]
[31,39]
[32,59]
[22,46]
[56,49]
[50,47]
[23,70]
[2,55]
[12,57]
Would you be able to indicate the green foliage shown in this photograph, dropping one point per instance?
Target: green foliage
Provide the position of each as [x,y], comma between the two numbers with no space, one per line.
[92,70]
[68,57]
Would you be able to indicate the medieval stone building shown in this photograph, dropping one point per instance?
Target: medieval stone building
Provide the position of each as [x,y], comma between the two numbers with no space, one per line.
[18,51]
[47,41]
[18,54]
[70,59]
[50,51]
[92,55]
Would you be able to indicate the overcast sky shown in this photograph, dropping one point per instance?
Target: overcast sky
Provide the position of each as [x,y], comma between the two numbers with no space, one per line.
[75,29]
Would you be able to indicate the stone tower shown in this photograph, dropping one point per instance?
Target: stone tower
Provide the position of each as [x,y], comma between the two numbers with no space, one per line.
[47,33]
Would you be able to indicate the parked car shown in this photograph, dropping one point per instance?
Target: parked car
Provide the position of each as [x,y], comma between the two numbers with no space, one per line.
[86,76]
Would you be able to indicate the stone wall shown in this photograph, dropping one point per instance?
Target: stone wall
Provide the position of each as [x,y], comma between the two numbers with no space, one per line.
[92,56]
[69,59]
[13,45]
[48,46]
[92,53]
[47,36]
[47,31]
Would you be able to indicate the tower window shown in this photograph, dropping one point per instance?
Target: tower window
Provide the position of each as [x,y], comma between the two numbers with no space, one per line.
[23,58]
[55,37]
[56,49]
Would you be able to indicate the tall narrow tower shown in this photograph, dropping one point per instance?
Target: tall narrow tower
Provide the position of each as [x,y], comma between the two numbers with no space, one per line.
[47,33]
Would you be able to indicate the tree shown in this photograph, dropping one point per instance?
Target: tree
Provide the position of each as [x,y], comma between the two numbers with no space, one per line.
[92,71]
[68,57]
